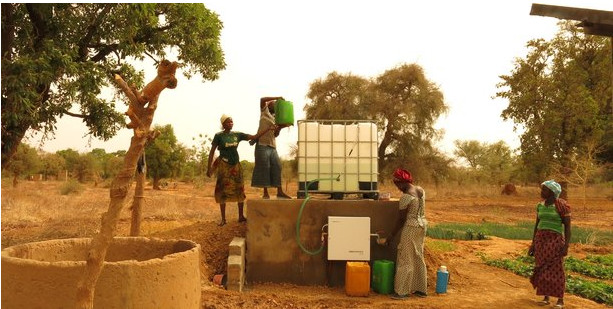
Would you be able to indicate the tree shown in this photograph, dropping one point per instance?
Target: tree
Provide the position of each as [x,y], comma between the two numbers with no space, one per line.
[86,167]
[498,163]
[199,155]
[338,97]
[52,165]
[489,162]
[58,57]
[71,158]
[403,102]
[164,155]
[25,163]
[560,95]
[471,151]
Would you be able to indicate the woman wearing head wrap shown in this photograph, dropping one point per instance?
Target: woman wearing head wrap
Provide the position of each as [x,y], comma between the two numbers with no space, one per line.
[229,186]
[410,265]
[550,244]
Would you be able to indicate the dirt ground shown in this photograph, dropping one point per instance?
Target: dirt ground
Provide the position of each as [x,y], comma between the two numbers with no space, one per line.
[35,211]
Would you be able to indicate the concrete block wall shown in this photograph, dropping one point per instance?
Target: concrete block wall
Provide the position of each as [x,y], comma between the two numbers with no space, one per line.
[236,265]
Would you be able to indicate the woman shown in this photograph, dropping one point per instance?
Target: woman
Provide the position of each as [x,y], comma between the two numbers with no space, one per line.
[550,244]
[229,186]
[267,169]
[411,274]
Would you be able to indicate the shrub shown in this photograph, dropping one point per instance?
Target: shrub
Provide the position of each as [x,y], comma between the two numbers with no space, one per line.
[71,186]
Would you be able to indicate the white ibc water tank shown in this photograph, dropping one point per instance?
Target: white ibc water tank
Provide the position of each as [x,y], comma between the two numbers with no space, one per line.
[331,148]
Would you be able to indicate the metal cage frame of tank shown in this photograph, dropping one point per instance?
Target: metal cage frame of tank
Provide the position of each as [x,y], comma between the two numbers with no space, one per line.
[366,189]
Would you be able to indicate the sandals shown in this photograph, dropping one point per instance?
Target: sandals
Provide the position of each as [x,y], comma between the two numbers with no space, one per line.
[420,294]
[397,296]
[559,306]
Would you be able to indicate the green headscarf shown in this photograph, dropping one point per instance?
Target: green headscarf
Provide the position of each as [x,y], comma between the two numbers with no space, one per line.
[553,186]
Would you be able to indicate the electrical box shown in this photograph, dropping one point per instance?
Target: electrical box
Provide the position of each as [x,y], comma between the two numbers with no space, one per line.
[349,238]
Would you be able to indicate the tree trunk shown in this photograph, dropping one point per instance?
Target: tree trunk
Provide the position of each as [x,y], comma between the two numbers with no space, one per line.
[12,134]
[141,118]
[387,140]
[156,183]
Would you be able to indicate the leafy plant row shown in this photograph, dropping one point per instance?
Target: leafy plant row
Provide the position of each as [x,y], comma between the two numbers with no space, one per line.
[597,291]
[521,231]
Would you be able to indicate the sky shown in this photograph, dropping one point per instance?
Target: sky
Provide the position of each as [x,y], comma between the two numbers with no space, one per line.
[278,48]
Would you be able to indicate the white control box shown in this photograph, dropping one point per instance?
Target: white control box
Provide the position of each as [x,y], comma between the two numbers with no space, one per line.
[349,238]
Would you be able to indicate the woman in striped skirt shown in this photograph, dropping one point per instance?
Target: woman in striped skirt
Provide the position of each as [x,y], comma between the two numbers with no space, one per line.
[550,244]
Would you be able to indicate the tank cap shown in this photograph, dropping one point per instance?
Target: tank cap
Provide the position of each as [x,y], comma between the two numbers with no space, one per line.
[443,268]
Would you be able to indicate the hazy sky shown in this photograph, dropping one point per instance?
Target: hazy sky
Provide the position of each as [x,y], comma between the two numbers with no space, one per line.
[278,48]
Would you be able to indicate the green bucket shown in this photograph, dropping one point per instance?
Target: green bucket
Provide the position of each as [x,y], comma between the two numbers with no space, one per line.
[284,112]
[383,276]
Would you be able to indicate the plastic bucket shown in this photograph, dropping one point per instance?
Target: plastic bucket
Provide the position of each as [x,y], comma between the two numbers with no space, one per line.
[284,112]
[220,280]
[383,276]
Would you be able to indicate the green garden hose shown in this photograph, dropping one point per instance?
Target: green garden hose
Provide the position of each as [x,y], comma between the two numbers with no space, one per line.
[307,197]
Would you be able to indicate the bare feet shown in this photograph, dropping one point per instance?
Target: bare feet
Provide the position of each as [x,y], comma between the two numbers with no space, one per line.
[221,223]
[242,219]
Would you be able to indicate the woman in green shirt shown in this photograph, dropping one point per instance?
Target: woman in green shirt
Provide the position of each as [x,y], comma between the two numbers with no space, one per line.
[550,244]
[230,184]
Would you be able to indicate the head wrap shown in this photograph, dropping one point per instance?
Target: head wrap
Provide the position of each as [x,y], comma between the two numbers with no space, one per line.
[402,175]
[553,186]
[223,118]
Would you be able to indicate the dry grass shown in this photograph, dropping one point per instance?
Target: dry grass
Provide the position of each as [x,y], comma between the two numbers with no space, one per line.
[36,210]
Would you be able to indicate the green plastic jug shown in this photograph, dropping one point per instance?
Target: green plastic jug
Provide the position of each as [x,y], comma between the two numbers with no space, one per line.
[284,112]
[383,276]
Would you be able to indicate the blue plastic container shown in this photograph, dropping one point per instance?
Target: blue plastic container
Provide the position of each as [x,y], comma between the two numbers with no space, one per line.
[442,279]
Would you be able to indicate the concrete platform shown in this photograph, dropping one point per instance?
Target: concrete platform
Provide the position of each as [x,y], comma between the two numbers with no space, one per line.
[273,255]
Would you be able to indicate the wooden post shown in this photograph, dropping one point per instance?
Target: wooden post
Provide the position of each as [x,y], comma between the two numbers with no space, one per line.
[139,196]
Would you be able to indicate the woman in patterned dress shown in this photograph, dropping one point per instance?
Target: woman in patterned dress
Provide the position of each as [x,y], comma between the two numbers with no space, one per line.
[230,184]
[550,244]
[411,274]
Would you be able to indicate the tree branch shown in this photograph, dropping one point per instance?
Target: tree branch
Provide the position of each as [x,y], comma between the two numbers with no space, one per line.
[74,115]
[91,30]
[8,30]
[38,23]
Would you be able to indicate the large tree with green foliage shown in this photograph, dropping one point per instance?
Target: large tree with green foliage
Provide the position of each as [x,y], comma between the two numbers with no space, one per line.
[58,57]
[403,102]
[560,96]
[164,155]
